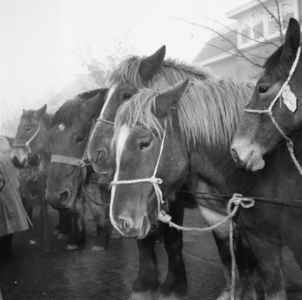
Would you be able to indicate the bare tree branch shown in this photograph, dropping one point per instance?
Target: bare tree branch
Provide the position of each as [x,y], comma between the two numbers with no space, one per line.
[239,52]
[268,11]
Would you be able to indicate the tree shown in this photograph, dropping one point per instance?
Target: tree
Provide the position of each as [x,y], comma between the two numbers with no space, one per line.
[99,71]
[275,10]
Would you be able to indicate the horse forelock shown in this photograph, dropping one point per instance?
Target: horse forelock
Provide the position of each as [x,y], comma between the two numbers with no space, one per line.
[208,111]
[172,71]
[70,110]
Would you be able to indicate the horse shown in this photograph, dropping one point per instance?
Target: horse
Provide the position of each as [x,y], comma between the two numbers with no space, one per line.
[153,71]
[193,125]
[267,124]
[67,179]
[31,139]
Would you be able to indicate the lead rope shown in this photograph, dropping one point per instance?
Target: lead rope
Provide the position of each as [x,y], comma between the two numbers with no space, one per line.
[26,144]
[237,200]
[289,142]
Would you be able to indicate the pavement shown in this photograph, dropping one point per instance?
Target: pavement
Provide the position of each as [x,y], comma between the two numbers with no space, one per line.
[84,274]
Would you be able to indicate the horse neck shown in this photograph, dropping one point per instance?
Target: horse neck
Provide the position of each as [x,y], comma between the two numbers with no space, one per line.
[215,165]
[45,123]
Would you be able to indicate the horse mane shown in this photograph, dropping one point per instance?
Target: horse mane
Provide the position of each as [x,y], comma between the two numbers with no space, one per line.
[172,70]
[69,111]
[208,110]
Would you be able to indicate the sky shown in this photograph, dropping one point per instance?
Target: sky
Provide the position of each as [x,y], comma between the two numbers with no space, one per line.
[42,41]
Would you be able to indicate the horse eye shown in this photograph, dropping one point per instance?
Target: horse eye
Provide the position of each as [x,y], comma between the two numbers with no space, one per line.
[145,144]
[127,96]
[263,89]
[80,139]
[28,128]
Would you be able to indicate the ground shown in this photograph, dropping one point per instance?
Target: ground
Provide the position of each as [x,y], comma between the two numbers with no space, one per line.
[84,274]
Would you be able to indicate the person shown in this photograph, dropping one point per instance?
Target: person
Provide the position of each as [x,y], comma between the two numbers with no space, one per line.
[13,216]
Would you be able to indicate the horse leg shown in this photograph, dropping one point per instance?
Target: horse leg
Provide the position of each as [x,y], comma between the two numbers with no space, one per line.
[66,226]
[146,283]
[175,284]
[247,267]
[58,227]
[99,216]
[269,258]
[246,263]
[78,235]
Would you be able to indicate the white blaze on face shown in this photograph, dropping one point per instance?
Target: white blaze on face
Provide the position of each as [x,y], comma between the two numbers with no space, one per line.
[61,127]
[110,93]
[121,141]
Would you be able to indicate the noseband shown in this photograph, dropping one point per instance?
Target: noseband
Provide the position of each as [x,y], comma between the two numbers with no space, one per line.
[153,179]
[26,144]
[269,111]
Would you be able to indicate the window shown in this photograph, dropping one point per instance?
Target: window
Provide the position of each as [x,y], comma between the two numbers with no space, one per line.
[246,33]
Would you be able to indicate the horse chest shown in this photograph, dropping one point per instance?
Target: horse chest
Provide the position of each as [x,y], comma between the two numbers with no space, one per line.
[211,217]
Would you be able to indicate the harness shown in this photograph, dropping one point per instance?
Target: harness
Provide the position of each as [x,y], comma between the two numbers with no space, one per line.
[26,144]
[269,111]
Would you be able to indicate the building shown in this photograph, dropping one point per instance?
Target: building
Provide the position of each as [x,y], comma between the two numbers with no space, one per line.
[258,38]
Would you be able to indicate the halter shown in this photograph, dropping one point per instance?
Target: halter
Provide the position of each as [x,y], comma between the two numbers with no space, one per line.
[26,144]
[153,179]
[269,111]
[105,121]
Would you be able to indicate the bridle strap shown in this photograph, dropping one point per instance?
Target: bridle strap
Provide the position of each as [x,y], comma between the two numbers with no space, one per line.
[105,121]
[85,156]
[269,111]
[26,144]
[68,160]
[153,179]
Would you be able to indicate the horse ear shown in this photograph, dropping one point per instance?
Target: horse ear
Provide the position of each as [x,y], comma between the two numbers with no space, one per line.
[40,112]
[292,39]
[95,103]
[23,111]
[151,65]
[167,99]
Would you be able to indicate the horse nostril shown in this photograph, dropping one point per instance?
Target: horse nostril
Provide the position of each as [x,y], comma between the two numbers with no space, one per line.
[102,155]
[64,196]
[125,225]
[234,155]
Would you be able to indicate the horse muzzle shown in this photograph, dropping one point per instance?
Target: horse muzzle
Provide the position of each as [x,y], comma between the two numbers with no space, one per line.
[248,158]
[131,230]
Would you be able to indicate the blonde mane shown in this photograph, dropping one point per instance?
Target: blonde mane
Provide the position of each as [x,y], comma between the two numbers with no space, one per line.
[171,71]
[208,111]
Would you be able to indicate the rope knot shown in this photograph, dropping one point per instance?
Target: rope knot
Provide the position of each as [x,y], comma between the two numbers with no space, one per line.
[237,200]
[163,217]
[155,180]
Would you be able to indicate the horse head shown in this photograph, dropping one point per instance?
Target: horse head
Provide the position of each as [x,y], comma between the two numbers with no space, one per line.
[69,135]
[145,150]
[122,89]
[31,136]
[274,110]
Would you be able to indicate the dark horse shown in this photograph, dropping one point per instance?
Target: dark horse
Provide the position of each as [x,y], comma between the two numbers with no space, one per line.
[65,185]
[257,137]
[134,73]
[31,140]
[198,125]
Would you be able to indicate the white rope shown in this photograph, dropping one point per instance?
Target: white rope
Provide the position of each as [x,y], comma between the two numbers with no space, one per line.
[236,200]
[26,144]
[269,111]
